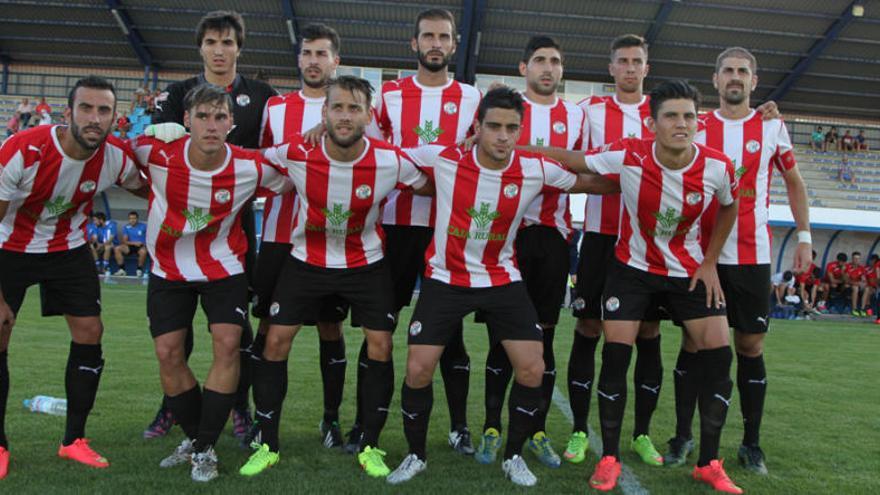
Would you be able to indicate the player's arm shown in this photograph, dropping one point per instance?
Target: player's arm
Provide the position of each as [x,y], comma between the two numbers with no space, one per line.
[708,272]
[593,183]
[572,160]
[800,209]
[7,318]
[170,105]
[769,110]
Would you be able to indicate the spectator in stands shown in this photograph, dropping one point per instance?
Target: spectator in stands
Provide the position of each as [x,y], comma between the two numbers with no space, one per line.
[151,101]
[25,111]
[848,141]
[123,125]
[100,241]
[832,141]
[861,141]
[833,283]
[845,173]
[856,284]
[134,238]
[13,124]
[44,112]
[817,139]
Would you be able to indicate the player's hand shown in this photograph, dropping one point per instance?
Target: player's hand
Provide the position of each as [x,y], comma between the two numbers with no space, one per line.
[313,135]
[166,132]
[769,111]
[803,256]
[708,274]
[468,143]
[7,317]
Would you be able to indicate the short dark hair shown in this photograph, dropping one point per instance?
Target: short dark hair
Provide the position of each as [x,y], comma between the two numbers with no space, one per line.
[206,93]
[318,31]
[352,84]
[133,213]
[736,52]
[787,275]
[856,253]
[841,257]
[221,20]
[501,97]
[536,43]
[91,82]
[100,215]
[673,90]
[627,41]
[436,15]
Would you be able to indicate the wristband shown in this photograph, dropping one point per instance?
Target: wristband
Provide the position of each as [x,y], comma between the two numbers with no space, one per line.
[804,237]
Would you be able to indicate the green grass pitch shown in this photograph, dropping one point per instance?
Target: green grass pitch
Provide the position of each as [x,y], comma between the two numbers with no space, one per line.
[820,430]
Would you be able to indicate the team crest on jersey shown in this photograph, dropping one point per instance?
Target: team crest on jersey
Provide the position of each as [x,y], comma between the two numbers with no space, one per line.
[579,304]
[612,304]
[88,186]
[243,100]
[363,191]
[511,190]
[450,108]
[415,328]
[559,127]
[274,309]
[753,146]
[222,196]
[693,198]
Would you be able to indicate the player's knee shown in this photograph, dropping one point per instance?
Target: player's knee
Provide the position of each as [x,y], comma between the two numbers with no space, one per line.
[588,327]
[649,330]
[86,330]
[170,356]
[276,346]
[379,347]
[531,373]
[749,345]
[419,373]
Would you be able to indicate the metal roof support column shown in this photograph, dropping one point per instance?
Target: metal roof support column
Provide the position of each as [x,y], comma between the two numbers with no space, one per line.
[473,12]
[818,47]
[131,33]
[4,82]
[659,20]
[292,24]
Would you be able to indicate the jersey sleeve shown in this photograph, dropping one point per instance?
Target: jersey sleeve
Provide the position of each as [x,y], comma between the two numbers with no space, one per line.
[556,177]
[728,189]
[425,157]
[607,160]
[273,179]
[11,168]
[784,159]
[583,140]
[383,121]
[409,175]
[169,105]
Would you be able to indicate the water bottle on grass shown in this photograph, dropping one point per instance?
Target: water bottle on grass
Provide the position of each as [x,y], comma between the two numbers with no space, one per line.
[47,405]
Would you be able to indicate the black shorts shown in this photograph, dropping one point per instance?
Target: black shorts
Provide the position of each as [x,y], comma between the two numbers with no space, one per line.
[303,287]
[507,310]
[270,262]
[68,281]
[746,289]
[631,295]
[596,255]
[542,256]
[171,304]
[405,254]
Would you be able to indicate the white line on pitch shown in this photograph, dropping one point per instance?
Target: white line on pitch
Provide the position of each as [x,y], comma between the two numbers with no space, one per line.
[629,482]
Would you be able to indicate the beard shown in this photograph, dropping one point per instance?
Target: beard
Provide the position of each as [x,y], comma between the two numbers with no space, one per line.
[735,98]
[434,66]
[541,90]
[76,132]
[355,136]
[316,83]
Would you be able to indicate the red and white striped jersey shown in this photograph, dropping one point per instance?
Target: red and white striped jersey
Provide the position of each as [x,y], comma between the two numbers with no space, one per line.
[607,121]
[660,226]
[284,116]
[338,223]
[194,224]
[561,126]
[50,194]
[473,244]
[413,115]
[753,145]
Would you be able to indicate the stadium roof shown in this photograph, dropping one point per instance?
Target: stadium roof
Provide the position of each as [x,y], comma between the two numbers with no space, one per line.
[814,56]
